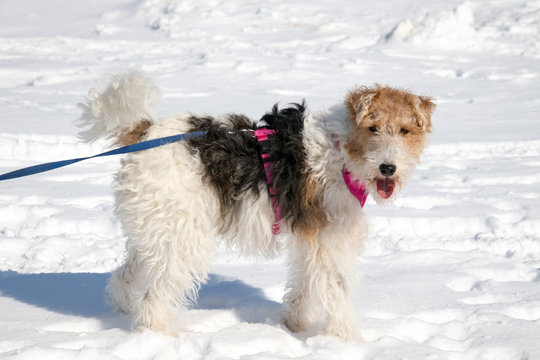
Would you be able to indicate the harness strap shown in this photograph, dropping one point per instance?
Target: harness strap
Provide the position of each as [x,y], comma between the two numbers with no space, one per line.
[262,135]
[36,169]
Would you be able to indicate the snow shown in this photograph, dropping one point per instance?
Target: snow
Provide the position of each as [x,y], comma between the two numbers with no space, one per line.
[451,270]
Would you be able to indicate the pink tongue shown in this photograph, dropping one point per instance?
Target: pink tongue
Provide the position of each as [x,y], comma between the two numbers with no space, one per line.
[385,187]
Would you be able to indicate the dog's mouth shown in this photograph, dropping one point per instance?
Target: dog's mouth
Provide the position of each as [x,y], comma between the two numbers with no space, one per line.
[385,187]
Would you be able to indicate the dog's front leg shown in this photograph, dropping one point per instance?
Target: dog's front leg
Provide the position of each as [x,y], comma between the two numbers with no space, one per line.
[320,285]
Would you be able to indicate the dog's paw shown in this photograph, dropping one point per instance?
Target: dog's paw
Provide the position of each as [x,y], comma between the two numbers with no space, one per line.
[293,324]
[164,329]
[345,332]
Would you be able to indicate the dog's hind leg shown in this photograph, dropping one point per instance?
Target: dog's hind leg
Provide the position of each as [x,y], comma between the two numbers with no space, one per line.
[158,281]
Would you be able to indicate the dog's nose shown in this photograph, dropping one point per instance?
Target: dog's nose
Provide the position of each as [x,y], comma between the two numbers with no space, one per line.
[387,170]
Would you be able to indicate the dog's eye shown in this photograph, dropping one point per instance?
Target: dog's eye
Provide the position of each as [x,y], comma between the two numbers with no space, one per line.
[403,131]
[373,129]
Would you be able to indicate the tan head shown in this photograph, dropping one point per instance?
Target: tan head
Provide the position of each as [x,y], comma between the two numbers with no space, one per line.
[387,136]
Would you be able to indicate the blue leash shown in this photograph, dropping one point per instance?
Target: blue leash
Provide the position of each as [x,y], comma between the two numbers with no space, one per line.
[36,169]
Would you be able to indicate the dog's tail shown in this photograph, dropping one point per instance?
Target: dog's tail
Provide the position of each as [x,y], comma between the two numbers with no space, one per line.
[122,110]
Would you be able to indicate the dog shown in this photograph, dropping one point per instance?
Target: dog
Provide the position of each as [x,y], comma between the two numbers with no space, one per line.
[296,189]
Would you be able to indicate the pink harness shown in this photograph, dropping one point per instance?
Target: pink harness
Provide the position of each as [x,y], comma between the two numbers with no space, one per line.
[262,134]
[357,188]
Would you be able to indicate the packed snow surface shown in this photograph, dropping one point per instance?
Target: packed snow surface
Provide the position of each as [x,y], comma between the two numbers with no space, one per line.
[451,270]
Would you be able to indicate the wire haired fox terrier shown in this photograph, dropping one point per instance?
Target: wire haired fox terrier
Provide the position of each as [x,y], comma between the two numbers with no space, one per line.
[293,179]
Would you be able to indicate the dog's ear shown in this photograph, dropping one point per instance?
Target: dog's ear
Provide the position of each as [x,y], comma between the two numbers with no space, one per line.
[358,102]
[424,107]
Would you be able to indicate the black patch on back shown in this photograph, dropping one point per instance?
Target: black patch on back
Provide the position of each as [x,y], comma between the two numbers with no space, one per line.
[234,168]
[288,159]
[231,161]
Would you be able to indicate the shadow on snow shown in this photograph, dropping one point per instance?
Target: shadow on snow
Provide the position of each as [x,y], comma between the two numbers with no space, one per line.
[68,293]
[83,294]
[249,304]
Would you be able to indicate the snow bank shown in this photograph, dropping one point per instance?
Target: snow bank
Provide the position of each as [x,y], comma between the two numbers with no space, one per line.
[473,26]
[445,30]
